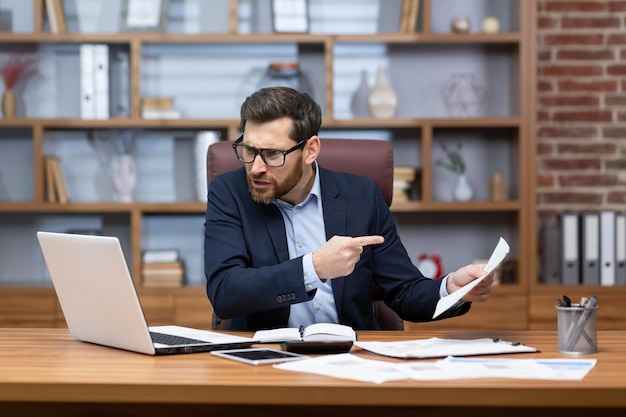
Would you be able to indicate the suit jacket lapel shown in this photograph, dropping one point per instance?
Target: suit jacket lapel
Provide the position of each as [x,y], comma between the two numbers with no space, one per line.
[275,226]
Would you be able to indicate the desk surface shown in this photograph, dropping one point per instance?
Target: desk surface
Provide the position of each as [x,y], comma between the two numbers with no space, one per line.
[48,366]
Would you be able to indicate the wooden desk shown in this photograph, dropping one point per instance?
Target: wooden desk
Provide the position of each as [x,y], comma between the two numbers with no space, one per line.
[46,372]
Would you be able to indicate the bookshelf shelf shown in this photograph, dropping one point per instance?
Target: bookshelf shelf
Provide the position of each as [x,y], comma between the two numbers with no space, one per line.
[208,91]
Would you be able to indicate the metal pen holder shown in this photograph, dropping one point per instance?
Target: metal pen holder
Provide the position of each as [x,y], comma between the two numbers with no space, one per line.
[577,329]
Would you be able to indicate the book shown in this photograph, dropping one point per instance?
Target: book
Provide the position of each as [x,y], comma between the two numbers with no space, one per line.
[52,16]
[51,193]
[318,332]
[159,255]
[60,16]
[56,191]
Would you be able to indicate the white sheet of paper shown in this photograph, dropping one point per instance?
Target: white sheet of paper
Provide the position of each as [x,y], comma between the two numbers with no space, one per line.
[499,253]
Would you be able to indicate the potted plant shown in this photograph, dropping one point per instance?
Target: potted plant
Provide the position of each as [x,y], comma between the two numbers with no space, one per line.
[454,163]
[16,67]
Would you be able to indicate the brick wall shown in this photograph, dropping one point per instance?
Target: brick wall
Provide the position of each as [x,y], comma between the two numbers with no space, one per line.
[581,94]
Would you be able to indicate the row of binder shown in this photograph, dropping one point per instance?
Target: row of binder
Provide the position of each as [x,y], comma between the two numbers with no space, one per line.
[585,248]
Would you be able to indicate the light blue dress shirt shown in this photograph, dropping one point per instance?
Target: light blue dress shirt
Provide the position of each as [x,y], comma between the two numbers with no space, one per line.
[304,225]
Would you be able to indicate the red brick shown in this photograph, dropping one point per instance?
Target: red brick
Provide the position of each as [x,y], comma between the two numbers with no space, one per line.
[568,132]
[583,116]
[586,55]
[615,164]
[616,70]
[544,55]
[621,116]
[571,164]
[575,6]
[614,132]
[590,22]
[545,148]
[616,197]
[570,198]
[546,180]
[543,116]
[568,39]
[616,39]
[545,22]
[615,101]
[572,70]
[599,86]
[570,101]
[617,6]
[587,148]
[587,180]
[544,86]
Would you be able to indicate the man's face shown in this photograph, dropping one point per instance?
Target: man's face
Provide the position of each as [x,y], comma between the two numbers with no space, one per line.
[265,183]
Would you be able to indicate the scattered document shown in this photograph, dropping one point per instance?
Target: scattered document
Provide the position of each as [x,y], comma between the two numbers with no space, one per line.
[498,255]
[468,368]
[349,366]
[437,348]
[346,365]
[318,332]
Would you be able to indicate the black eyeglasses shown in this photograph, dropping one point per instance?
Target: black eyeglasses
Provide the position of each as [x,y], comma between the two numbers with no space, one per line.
[274,158]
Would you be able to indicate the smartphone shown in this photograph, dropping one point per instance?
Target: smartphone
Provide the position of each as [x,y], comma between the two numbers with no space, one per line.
[334,346]
[258,356]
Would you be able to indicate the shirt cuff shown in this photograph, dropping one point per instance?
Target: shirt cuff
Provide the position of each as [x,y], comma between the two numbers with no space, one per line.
[443,289]
[311,280]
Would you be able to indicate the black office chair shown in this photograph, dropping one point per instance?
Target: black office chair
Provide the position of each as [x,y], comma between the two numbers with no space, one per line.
[345,155]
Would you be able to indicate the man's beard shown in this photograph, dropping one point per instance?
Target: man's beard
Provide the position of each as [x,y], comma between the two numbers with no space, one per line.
[277,190]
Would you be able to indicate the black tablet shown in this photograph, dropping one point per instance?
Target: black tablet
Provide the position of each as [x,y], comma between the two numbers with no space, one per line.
[258,356]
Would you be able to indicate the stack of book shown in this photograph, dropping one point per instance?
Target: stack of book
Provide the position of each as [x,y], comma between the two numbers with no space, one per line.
[403,179]
[56,191]
[162,269]
[158,108]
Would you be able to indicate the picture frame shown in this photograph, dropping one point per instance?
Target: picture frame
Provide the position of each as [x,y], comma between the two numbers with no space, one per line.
[290,16]
[144,15]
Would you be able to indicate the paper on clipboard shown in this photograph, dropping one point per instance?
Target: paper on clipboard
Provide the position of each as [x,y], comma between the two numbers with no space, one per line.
[499,253]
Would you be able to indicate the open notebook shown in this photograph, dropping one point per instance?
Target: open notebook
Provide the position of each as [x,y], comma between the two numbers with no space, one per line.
[100,303]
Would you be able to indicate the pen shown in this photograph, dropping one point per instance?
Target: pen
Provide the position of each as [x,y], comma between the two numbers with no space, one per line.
[578,329]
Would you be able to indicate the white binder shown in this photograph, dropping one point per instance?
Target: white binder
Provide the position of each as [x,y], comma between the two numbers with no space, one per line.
[570,264]
[607,248]
[620,249]
[590,248]
[101,81]
[87,87]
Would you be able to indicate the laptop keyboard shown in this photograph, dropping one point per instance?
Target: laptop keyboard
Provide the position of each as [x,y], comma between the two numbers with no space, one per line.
[171,340]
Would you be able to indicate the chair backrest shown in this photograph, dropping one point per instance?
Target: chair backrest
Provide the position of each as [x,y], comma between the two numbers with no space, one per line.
[370,158]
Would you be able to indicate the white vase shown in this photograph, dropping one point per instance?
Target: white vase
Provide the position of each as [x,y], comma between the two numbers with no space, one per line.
[382,99]
[462,190]
[125,177]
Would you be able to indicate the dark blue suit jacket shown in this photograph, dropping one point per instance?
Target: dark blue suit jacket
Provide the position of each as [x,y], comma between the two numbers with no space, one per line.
[251,280]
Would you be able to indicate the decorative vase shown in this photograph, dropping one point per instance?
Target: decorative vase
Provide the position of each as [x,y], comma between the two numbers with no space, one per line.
[497,187]
[462,190]
[382,99]
[358,101]
[125,178]
[9,104]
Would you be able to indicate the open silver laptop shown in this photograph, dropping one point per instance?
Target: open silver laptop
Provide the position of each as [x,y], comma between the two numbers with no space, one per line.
[100,303]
